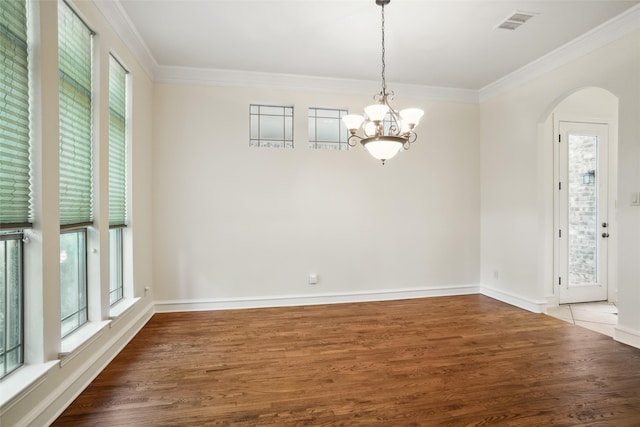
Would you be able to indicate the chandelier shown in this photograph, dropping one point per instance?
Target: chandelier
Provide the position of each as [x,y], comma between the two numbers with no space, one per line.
[386,131]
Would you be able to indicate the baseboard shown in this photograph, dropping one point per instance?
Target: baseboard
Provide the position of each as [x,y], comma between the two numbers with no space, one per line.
[313,299]
[627,336]
[60,398]
[535,306]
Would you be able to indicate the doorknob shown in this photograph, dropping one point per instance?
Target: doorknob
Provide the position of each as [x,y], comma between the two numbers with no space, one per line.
[604,225]
[605,234]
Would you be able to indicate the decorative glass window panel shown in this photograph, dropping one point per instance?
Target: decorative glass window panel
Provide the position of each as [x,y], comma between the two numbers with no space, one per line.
[73,280]
[11,297]
[271,126]
[327,130]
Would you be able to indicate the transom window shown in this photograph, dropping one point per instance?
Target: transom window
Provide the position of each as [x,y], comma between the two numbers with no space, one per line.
[271,126]
[327,131]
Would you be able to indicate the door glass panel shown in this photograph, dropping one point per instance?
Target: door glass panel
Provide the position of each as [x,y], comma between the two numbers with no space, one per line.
[583,210]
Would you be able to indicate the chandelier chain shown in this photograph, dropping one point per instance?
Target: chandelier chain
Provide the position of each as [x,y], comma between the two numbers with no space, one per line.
[384,82]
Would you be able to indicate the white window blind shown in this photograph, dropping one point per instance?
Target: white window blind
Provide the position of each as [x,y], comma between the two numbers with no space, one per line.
[76,163]
[117,144]
[15,166]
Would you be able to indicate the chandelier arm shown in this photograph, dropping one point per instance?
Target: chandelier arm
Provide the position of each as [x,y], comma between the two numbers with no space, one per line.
[396,125]
[353,140]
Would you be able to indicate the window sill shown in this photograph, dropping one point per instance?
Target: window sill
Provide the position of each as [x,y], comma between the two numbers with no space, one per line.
[80,339]
[20,383]
[121,307]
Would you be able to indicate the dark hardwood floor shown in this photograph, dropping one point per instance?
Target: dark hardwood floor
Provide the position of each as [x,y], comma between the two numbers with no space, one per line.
[448,361]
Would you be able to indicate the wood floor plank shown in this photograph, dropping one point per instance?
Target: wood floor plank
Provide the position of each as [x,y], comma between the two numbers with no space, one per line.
[447,361]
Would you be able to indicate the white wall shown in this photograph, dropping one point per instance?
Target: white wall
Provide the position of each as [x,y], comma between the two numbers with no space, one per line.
[233,222]
[47,395]
[591,102]
[513,175]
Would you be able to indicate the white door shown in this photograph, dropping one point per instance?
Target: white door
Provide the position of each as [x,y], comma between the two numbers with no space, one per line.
[582,225]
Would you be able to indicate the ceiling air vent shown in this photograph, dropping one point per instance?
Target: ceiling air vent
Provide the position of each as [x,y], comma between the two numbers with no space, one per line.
[516,19]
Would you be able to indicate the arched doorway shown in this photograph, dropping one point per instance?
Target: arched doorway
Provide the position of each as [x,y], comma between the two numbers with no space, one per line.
[581,133]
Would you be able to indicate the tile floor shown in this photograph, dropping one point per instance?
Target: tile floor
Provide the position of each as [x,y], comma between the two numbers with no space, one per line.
[601,316]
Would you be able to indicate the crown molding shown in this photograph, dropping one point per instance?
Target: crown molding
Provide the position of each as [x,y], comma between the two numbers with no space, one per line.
[124,28]
[253,79]
[600,36]
[608,32]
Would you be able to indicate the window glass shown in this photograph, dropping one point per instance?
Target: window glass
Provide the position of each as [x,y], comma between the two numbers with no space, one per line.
[327,130]
[115,266]
[11,317]
[73,280]
[271,126]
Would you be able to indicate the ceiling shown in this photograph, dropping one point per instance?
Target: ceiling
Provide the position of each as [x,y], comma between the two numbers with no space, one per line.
[449,43]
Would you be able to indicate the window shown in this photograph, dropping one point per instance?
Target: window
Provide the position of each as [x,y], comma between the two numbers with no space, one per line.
[116,278]
[73,280]
[11,290]
[271,126]
[76,164]
[326,129]
[117,175]
[15,183]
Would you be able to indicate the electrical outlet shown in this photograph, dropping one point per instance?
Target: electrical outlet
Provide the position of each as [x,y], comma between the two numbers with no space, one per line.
[496,275]
[313,279]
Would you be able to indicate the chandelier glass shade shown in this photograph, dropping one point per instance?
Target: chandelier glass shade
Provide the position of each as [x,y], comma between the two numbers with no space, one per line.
[383,131]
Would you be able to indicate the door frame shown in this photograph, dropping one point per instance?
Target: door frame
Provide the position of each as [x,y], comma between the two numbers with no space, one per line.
[612,168]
